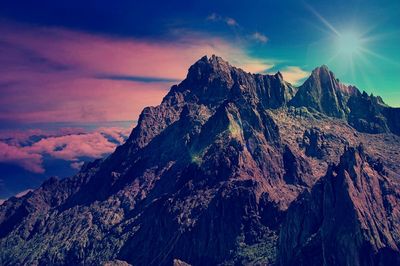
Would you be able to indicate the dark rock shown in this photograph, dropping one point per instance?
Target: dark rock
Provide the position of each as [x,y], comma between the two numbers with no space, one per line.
[342,220]
[324,93]
[207,178]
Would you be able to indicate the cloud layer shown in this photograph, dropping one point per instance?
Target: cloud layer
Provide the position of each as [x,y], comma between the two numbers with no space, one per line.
[70,147]
[22,157]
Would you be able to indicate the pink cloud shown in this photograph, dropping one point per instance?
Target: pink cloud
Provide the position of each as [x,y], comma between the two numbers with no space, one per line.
[116,133]
[19,156]
[77,165]
[70,147]
[49,74]
[81,100]
[18,137]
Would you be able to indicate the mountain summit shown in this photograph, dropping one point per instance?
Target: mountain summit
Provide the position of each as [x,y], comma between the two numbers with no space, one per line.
[324,93]
[232,168]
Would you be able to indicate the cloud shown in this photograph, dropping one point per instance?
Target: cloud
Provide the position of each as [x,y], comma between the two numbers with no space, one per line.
[71,147]
[294,74]
[59,75]
[77,165]
[214,17]
[259,37]
[256,66]
[115,134]
[30,136]
[231,22]
[23,193]
[21,157]
[136,78]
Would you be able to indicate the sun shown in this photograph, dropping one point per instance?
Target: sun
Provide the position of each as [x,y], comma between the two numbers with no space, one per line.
[349,43]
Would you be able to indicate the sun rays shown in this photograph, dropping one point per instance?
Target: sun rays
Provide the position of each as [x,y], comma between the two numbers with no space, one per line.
[351,47]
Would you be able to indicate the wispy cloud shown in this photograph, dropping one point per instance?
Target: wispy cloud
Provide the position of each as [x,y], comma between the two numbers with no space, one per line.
[259,37]
[218,18]
[231,22]
[76,165]
[213,17]
[256,66]
[137,78]
[294,74]
[80,77]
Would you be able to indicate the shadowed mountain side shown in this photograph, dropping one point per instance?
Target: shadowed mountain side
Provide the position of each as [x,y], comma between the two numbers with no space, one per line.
[350,217]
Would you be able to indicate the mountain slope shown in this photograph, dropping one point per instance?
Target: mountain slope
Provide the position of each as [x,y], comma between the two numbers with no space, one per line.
[207,177]
[322,92]
[350,217]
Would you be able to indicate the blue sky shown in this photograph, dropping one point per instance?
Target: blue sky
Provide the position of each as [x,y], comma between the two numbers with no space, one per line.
[296,36]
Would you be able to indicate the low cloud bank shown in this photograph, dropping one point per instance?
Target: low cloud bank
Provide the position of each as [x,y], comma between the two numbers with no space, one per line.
[28,150]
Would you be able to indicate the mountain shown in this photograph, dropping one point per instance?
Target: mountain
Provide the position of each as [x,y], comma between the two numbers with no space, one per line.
[323,93]
[231,168]
[350,217]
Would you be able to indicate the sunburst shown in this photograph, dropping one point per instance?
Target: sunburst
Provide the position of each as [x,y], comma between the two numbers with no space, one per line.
[350,46]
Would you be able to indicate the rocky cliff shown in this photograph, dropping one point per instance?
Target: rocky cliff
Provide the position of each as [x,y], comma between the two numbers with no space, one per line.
[350,217]
[231,168]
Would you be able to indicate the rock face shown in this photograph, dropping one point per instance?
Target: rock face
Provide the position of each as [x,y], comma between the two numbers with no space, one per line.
[350,217]
[322,92]
[226,170]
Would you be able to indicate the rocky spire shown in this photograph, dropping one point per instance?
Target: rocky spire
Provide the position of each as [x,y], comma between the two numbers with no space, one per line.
[323,92]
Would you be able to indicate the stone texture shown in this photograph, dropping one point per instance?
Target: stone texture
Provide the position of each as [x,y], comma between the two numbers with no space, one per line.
[226,170]
[349,217]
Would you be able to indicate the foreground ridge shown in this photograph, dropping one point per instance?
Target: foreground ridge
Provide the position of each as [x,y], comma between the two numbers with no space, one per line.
[231,168]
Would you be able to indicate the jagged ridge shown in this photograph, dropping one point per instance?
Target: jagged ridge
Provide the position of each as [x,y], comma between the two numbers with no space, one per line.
[207,177]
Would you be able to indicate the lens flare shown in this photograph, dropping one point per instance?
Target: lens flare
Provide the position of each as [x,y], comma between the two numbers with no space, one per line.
[349,43]
[351,48]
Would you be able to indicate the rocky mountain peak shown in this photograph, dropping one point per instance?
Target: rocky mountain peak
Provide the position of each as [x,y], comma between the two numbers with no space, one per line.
[205,67]
[323,92]
[211,80]
[279,75]
[328,79]
[325,78]
[226,171]
[322,70]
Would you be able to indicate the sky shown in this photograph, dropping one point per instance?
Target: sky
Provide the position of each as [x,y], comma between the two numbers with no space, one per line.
[71,70]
